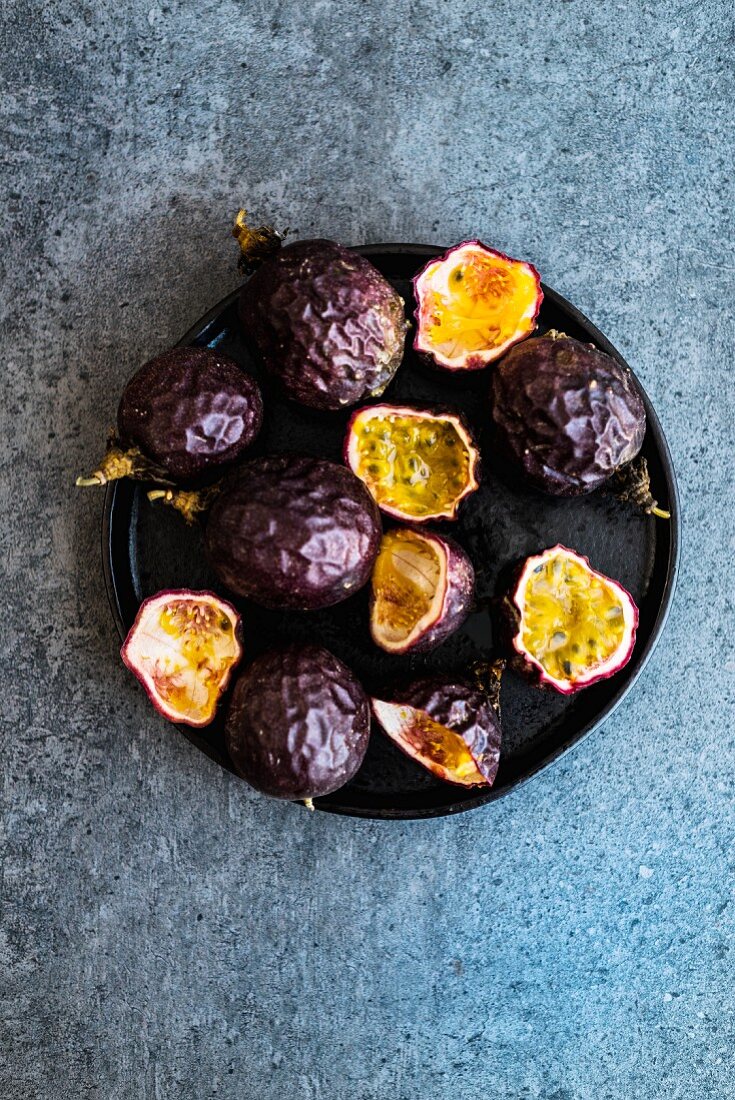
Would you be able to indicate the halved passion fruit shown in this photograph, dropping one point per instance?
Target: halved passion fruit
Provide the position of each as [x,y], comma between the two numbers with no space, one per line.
[473,303]
[417,464]
[422,589]
[183,647]
[450,727]
[570,625]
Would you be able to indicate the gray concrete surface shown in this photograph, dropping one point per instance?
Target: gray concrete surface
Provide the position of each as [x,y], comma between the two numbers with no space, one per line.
[165,932]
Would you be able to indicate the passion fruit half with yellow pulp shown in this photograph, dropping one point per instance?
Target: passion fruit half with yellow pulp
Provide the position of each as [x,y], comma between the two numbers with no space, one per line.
[570,625]
[183,647]
[450,727]
[473,303]
[422,590]
[417,464]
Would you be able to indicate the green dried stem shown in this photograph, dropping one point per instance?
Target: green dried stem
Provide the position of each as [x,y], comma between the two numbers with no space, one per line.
[123,462]
[190,503]
[633,484]
[256,245]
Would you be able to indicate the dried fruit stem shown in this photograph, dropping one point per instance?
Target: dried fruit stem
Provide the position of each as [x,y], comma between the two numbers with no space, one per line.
[309,803]
[190,503]
[256,245]
[118,463]
[633,483]
[488,677]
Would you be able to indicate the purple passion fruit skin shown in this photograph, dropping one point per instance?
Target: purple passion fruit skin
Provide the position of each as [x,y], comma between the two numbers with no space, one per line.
[190,410]
[293,532]
[328,326]
[450,727]
[396,599]
[565,415]
[458,597]
[298,723]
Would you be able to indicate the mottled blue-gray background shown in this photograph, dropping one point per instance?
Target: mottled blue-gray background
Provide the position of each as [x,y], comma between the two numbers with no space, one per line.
[165,932]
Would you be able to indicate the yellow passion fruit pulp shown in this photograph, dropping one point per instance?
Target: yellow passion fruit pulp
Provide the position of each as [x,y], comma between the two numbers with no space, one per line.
[576,625]
[417,465]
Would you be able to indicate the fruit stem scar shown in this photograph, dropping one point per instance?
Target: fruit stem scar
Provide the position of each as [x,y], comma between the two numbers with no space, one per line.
[118,463]
[633,483]
[488,678]
[188,502]
[256,245]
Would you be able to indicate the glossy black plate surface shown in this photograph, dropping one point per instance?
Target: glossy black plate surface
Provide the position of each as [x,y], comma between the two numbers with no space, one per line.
[147,548]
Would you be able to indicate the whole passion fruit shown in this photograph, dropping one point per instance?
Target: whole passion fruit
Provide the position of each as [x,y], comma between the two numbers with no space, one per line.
[184,413]
[565,414]
[450,727]
[422,590]
[568,625]
[329,327]
[418,464]
[473,303]
[293,532]
[183,647]
[298,723]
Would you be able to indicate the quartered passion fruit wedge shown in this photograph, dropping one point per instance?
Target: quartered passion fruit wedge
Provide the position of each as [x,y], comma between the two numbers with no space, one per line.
[450,727]
[184,413]
[183,647]
[298,723]
[418,464]
[422,590]
[570,626]
[473,303]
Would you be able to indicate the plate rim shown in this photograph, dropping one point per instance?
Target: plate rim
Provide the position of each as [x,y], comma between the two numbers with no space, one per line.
[566,744]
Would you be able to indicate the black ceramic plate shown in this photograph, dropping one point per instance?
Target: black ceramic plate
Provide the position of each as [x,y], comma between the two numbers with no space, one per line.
[148,547]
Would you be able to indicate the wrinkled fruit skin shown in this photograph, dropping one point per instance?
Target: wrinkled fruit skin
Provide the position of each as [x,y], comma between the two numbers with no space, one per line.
[293,532]
[326,322]
[298,723]
[465,709]
[190,410]
[565,414]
